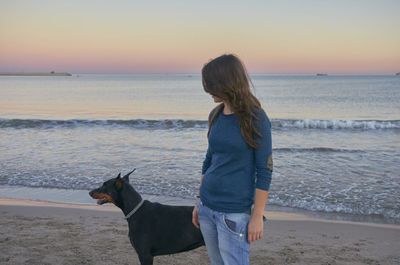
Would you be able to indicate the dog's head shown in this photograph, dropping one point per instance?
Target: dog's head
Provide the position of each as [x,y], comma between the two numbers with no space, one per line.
[109,192]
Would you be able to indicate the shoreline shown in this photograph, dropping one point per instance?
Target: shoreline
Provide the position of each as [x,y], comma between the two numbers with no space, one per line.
[270,214]
[81,197]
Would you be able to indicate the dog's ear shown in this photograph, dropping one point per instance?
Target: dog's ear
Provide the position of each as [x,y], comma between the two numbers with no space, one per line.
[118,182]
[126,177]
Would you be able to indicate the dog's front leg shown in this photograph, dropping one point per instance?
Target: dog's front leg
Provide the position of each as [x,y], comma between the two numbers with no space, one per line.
[146,259]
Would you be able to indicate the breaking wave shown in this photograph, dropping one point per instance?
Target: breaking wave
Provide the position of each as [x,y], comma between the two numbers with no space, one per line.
[184,124]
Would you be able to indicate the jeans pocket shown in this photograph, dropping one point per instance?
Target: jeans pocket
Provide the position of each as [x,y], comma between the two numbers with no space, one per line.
[236,223]
[231,224]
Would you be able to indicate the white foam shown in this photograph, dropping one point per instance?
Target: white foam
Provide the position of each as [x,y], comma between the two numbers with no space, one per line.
[335,124]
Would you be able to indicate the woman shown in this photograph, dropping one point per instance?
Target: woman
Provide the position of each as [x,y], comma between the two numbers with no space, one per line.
[237,169]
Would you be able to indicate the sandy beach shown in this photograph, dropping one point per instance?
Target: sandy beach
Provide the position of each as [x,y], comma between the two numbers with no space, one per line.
[35,232]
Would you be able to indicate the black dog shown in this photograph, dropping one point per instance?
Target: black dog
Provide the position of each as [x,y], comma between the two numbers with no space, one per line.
[154,229]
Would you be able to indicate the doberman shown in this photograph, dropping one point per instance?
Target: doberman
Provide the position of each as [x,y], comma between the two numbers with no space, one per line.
[154,229]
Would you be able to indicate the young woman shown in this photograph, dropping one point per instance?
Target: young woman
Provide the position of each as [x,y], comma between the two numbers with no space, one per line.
[237,169]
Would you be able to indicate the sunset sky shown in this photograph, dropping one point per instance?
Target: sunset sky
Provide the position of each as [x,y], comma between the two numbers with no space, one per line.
[285,36]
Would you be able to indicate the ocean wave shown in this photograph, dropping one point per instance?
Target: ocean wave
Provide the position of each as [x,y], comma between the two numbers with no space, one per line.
[136,123]
[335,124]
[318,150]
[318,203]
[202,124]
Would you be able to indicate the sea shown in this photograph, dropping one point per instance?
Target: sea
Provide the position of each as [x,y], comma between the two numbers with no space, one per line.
[336,139]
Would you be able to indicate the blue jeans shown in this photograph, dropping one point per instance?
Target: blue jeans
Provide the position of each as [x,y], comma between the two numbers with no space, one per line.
[225,235]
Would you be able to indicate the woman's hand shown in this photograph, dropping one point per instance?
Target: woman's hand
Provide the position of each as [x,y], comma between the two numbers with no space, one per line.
[256,225]
[195,217]
[256,228]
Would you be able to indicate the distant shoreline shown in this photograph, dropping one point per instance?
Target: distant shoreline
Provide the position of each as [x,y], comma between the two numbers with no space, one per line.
[33,74]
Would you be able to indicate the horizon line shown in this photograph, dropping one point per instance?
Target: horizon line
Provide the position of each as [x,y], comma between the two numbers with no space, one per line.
[198,73]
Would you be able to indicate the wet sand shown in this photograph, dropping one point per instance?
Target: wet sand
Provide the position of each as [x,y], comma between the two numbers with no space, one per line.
[34,232]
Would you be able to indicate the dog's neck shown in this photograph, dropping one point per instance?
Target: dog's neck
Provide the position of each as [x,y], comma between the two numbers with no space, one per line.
[129,199]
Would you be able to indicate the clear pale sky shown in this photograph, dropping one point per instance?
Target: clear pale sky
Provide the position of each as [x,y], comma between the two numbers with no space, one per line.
[121,36]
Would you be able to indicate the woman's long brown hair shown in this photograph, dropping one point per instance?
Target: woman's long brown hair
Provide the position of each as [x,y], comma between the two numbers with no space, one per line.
[226,77]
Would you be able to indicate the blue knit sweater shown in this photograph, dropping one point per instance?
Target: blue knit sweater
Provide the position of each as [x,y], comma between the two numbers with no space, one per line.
[232,170]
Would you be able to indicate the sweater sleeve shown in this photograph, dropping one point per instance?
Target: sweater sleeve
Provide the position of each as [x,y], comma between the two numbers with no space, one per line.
[207,160]
[263,154]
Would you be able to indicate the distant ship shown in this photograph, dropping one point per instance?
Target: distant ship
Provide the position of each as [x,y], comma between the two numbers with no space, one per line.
[398,73]
[321,74]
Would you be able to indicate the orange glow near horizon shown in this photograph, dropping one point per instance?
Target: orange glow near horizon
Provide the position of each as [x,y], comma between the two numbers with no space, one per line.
[140,38]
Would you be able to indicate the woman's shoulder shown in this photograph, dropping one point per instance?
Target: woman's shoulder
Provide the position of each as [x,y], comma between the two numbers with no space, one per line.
[260,113]
[261,119]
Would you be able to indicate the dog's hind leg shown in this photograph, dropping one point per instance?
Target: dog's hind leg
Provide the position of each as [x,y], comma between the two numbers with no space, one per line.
[146,259]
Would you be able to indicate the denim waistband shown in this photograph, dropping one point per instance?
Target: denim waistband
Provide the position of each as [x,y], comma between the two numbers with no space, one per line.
[248,211]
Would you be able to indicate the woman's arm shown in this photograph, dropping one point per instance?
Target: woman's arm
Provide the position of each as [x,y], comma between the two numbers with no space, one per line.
[195,214]
[256,225]
[263,164]
[206,165]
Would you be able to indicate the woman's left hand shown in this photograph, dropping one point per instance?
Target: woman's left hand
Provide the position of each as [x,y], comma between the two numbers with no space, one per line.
[255,229]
